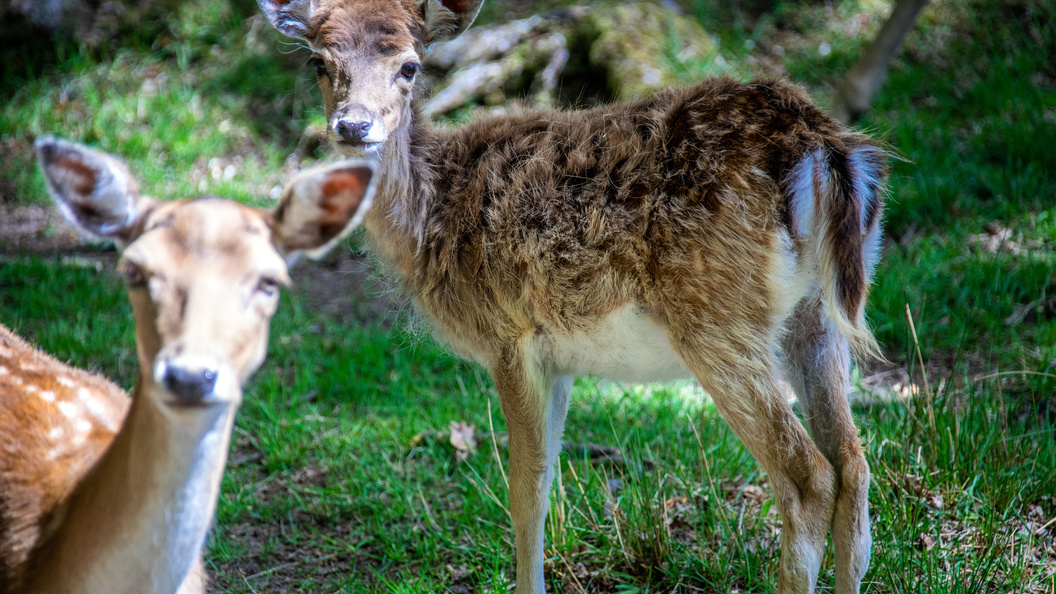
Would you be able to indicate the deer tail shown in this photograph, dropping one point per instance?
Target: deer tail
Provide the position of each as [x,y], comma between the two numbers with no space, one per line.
[835,201]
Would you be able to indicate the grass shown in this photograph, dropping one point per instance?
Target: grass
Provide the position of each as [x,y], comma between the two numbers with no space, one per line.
[341,478]
[337,480]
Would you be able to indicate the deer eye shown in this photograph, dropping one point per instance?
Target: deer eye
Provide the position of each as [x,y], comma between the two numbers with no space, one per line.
[134,276]
[268,287]
[320,66]
[409,69]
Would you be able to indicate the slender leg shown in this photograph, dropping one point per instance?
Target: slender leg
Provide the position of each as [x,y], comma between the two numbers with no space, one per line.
[535,408]
[817,365]
[745,391]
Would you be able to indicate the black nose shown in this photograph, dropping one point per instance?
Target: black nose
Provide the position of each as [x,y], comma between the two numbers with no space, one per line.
[190,385]
[353,131]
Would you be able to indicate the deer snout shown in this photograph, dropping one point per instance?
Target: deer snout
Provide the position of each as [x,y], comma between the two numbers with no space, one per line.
[192,381]
[352,131]
[189,385]
[357,128]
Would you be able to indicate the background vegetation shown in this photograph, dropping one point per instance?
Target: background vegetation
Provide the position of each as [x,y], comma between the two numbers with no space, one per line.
[343,476]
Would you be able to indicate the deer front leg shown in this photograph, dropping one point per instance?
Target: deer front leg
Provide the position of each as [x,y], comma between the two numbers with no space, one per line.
[535,408]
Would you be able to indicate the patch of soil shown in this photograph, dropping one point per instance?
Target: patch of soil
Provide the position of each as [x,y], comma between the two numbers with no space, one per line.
[342,288]
[38,229]
[275,564]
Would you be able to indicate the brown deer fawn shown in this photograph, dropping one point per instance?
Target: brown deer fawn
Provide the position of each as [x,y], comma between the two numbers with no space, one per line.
[105,495]
[724,232]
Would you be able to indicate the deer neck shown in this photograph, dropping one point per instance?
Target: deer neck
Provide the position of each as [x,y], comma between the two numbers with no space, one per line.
[138,521]
[405,195]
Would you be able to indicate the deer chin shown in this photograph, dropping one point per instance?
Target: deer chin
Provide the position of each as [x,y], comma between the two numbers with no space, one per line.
[358,149]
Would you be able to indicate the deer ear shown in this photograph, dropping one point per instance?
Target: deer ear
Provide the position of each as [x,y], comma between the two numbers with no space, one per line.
[447,19]
[93,190]
[321,206]
[290,17]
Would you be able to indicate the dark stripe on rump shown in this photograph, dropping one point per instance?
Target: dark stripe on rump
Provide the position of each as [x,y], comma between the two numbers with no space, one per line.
[845,233]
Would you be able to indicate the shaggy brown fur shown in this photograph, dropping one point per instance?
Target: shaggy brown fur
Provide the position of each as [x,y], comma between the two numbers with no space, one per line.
[720,231]
[572,214]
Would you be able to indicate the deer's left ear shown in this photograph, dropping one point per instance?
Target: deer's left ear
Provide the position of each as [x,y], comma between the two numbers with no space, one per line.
[290,17]
[93,190]
[447,19]
[321,206]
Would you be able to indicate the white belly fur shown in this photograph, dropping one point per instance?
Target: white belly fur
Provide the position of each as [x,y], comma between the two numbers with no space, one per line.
[626,346]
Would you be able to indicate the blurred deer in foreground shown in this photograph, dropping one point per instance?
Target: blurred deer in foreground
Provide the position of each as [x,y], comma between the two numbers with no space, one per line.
[102,494]
[724,232]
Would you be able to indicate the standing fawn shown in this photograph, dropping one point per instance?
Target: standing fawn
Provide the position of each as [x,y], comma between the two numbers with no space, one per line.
[723,232]
[103,495]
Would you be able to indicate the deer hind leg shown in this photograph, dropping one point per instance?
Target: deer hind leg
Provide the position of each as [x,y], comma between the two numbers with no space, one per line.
[817,364]
[535,408]
[743,386]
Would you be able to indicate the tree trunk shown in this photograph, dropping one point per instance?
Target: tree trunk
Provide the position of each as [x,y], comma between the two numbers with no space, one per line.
[856,93]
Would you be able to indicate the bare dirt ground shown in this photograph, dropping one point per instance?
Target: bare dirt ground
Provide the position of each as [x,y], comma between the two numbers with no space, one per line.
[37,229]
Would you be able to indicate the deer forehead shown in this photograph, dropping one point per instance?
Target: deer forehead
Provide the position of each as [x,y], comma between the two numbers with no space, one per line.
[203,236]
[381,28]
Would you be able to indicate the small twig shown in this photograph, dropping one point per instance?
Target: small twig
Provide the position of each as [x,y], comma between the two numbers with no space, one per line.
[983,378]
[484,488]
[428,512]
[579,485]
[720,505]
[596,452]
[495,447]
[571,573]
[246,581]
[267,571]
[920,358]
[251,457]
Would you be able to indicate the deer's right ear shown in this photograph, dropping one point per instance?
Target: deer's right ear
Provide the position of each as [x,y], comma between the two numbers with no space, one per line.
[321,206]
[93,190]
[290,17]
[447,19]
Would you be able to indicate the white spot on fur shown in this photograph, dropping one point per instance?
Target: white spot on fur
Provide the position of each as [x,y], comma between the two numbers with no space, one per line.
[4,371]
[53,454]
[56,433]
[69,410]
[32,389]
[97,408]
[83,426]
[48,396]
[65,381]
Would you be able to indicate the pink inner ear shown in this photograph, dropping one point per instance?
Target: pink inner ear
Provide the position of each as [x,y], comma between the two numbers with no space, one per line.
[85,177]
[343,191]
